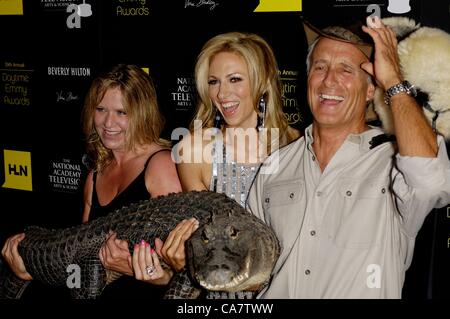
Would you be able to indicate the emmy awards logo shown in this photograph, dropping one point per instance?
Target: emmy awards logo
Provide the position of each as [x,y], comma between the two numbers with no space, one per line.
[84,10]
[399,6]
[77,11]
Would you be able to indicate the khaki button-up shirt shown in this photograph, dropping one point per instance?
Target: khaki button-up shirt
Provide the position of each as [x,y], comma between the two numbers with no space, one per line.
[349,231]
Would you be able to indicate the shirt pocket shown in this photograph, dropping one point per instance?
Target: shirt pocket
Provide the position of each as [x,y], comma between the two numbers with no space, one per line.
[361,214]
[283,206]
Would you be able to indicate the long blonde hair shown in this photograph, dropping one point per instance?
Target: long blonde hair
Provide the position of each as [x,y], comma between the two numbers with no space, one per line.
[263,74]
[139,102]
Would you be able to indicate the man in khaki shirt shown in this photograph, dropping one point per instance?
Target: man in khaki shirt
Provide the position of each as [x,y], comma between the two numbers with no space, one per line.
[345,208]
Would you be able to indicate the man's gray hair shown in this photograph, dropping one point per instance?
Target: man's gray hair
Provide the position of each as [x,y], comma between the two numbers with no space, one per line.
[346,35]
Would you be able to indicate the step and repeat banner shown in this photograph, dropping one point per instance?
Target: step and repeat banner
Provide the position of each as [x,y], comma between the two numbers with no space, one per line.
[52,49]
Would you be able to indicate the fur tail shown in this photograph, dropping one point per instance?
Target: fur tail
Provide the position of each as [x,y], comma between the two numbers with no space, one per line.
[402,26]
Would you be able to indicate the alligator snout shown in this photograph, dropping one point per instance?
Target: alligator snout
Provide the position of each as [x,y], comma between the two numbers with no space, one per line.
[219,274]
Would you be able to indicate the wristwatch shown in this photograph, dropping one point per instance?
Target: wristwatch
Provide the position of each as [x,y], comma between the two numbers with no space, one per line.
[403,86]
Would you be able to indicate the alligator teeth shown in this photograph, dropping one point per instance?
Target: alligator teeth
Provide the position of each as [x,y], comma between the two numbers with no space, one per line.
[233,283]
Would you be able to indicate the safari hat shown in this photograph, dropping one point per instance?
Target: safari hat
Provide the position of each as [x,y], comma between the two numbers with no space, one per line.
[349,33]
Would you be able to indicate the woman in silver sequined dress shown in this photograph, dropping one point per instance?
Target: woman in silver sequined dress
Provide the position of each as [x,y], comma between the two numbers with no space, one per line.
[239,121]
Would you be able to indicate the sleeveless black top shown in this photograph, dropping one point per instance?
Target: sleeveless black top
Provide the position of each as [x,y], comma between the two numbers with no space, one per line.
[135,192]
[127,287]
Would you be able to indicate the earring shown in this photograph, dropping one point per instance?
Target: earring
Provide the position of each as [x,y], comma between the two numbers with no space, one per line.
[261,113]
[218,119]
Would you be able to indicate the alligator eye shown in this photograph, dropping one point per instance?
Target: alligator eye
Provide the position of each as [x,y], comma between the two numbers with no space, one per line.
[233,232]
[204,237]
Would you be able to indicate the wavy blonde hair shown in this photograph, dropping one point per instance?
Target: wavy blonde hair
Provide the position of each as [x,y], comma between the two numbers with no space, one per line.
[263,75]
[140,103]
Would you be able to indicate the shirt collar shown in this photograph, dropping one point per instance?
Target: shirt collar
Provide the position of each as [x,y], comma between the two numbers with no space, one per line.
[361,139]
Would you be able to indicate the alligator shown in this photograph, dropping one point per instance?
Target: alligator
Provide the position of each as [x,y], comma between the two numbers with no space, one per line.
[231,251]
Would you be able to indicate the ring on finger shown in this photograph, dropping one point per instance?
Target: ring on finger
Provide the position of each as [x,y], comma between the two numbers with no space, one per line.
[150,270]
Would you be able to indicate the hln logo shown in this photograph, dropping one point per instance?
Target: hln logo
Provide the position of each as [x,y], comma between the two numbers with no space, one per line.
[13,170]
[18,170]
[11,7]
